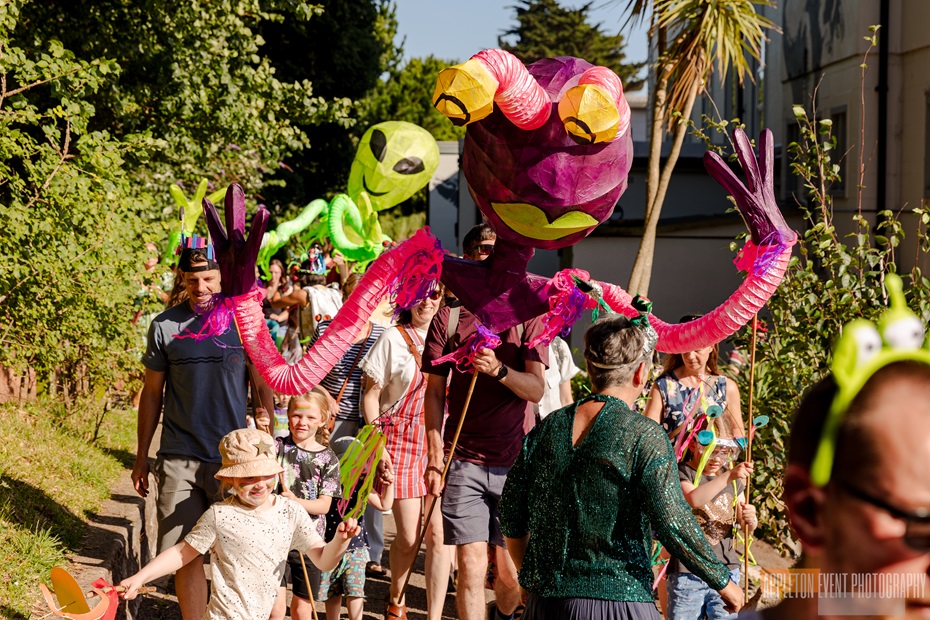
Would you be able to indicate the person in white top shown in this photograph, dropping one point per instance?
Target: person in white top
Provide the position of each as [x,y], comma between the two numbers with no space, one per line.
[558,378]
[394,390]
[248,535]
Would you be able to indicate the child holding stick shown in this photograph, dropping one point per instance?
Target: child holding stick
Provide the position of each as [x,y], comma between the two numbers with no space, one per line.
[712,500]
[349,577]
[311,478]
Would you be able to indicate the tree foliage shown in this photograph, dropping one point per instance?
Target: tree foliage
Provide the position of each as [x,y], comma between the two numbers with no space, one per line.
[546,29]
[106,104]
[345,51]
[68,248]
[407,95]
[196,74]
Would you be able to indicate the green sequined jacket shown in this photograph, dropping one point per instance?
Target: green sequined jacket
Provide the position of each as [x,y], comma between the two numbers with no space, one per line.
[588,508]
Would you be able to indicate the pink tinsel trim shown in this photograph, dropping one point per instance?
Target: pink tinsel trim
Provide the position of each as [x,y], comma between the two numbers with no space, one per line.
[566,304]
[763,257]
[464,356]
[417,278]
[216,322]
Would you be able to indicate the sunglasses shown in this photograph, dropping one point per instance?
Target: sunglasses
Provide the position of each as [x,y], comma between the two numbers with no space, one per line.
[484,249]
[436,295]
[917,532]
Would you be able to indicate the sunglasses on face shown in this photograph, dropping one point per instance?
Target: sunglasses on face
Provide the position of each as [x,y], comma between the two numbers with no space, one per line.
[917,531]
[436,295]
[484,249]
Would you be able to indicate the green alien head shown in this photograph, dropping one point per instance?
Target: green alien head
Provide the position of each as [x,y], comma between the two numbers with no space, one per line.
[863,349]
[394,160]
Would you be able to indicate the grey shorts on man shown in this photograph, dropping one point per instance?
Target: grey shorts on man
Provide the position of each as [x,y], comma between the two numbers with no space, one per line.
[186,488]
[469,503]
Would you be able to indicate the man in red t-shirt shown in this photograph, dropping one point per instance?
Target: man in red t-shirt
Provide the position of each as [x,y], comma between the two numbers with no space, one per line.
[510,378]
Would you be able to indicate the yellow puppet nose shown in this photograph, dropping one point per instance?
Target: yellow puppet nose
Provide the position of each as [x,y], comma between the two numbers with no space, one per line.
[465,93]
[589,114]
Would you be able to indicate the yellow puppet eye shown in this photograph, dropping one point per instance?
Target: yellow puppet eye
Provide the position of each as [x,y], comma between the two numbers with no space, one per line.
[868,344]
[906,333]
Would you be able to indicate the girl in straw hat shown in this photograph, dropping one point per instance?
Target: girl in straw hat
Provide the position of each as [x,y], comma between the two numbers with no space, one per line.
[249,534]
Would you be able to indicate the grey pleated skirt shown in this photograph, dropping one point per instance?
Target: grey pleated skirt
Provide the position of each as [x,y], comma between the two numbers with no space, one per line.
[540,608]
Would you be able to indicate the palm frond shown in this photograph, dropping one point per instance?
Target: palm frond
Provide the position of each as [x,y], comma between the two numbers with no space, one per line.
[705,33]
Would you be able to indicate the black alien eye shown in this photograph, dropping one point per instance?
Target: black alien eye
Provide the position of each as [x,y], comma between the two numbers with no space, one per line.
[409,165]
[378,144]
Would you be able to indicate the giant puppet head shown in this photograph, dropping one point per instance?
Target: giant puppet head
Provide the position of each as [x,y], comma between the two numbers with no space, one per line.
[548,163]
[394,160]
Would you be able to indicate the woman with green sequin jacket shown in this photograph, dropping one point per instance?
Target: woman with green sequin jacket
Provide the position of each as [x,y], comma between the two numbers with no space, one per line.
[591,482]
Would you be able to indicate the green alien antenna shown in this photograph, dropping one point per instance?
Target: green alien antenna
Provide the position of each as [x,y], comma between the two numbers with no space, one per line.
[862,349]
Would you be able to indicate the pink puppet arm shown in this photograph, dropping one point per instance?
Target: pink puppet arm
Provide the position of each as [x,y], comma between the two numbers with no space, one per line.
[407,272]
[721,322]
[765,258]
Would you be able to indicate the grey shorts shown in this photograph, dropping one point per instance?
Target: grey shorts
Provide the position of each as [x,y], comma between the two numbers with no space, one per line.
[469,503]
[186,488]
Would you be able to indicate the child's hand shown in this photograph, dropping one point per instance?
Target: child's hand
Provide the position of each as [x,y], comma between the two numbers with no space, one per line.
[740,472]
[262,420]
[348,529]
[387,477]
[385,467]
[748,516]
[132,585]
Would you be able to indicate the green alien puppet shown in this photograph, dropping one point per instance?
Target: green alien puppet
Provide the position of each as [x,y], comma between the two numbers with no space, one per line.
[395,159]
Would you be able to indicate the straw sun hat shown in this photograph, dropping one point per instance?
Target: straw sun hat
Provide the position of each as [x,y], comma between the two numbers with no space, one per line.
[248,453]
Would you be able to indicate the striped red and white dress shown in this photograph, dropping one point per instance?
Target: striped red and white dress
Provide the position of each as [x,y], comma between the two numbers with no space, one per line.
[391,364]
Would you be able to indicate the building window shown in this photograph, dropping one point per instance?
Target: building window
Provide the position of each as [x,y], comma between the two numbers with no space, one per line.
[839,154]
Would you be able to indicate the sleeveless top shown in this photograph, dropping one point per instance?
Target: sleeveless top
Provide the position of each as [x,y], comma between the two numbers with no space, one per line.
[678,399]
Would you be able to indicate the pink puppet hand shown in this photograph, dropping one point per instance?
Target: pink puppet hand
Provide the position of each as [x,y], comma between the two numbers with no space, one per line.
[236,252]
[757,201]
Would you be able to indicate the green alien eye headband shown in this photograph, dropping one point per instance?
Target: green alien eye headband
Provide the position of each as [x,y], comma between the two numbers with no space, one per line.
[862,349]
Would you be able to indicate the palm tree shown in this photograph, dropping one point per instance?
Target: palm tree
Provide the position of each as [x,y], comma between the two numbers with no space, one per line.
[691,37]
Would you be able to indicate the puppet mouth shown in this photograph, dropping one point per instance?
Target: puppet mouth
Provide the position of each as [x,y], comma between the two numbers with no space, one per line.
[370,191]
[531,221]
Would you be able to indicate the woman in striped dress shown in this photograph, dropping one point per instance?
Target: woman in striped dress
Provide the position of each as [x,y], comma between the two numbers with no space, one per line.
[393,399]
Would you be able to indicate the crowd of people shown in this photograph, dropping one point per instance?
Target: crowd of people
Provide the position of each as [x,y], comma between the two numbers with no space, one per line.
[558,504]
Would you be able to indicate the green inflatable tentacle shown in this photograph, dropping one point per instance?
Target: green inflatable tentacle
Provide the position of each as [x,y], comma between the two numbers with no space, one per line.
[279,237]
[343,211]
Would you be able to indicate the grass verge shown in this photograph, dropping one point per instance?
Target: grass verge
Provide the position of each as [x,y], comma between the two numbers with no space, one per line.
[51,478]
